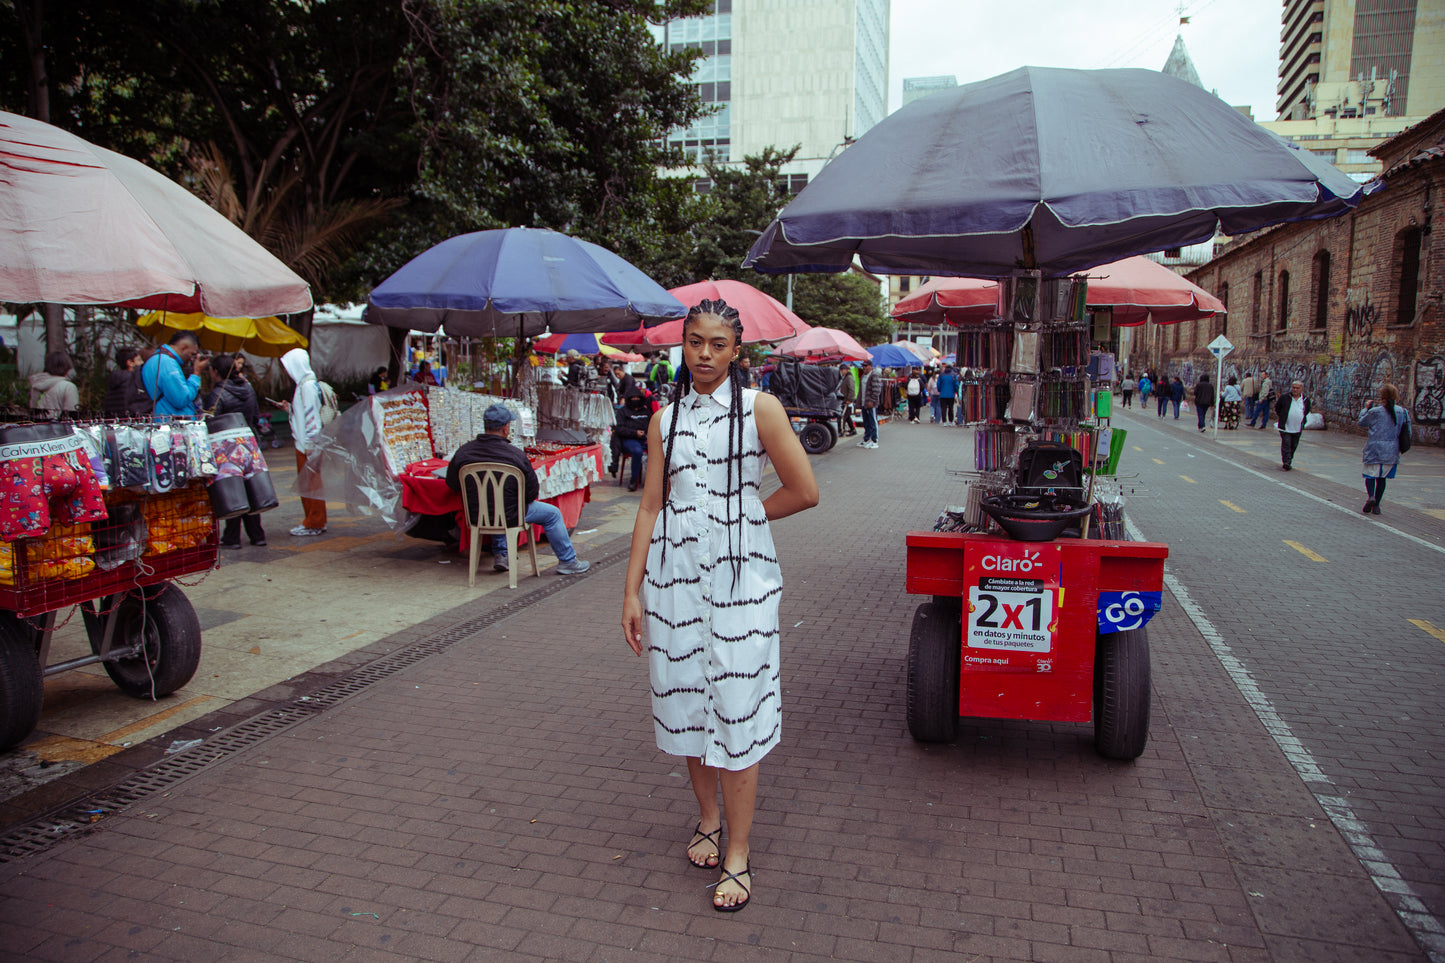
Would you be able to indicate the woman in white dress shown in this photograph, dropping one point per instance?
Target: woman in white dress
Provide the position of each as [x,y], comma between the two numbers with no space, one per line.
[703,584]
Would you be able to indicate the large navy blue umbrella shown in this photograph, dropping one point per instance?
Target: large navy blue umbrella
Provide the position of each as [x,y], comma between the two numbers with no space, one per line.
[519,282]
[892,356]
[1047,168]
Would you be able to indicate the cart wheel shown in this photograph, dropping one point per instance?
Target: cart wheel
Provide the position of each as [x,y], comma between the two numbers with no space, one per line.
[933,667]
[832,434]
[814,438]
[22,682]
[1121,693]
[172,637]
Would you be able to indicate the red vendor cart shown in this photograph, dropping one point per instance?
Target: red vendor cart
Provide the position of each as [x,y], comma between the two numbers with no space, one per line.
[1040,630]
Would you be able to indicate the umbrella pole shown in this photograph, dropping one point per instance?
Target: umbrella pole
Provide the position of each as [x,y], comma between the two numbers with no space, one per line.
[1030,258]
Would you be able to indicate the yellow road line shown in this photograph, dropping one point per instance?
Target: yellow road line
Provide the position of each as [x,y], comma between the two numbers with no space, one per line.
[1136,447]
[1157,461]
[1232,505]
[149,721]
[1425,625]
[1312,556]
[1189,480]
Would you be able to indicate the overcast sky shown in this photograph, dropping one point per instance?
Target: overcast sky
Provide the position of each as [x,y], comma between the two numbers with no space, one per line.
[1234,43]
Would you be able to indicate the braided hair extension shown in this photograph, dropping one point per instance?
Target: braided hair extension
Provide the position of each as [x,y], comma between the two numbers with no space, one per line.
[723,311]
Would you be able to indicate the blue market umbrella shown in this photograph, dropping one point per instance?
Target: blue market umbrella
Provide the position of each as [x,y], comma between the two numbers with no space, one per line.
[892,356]
[519,282]
[1047,168]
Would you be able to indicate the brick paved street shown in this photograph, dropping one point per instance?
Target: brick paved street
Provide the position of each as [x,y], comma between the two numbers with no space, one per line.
[498,797]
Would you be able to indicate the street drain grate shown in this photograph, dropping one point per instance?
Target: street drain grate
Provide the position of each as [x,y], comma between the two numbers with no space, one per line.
[80,818]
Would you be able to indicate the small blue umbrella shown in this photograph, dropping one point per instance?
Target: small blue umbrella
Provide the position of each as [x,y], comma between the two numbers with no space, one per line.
[519,282]
[892,356]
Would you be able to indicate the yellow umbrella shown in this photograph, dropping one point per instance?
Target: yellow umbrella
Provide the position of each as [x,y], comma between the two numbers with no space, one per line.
[617,354]
[265,337]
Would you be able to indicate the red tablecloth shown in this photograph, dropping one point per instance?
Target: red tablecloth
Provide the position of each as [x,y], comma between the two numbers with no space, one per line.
[424,493]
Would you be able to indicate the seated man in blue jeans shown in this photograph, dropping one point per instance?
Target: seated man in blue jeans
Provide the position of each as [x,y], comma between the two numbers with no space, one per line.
[494,445]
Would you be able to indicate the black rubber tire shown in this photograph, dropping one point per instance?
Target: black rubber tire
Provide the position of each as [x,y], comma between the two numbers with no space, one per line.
[815,437]
[22,682]
[1121,693]
[172,635]
[832,433]
[934,654]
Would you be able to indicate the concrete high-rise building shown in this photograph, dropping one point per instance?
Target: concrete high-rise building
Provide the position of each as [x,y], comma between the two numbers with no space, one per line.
[783,72]
[1353,73]
[916,87]
[1348,59]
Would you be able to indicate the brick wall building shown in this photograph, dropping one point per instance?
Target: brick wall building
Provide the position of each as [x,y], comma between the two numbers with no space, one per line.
[1343,305]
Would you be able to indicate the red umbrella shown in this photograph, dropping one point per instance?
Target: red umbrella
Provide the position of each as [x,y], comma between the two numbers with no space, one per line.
[954,300]
[823,343]
[764,318]
[1136,288]
[641,339]
[1140,290]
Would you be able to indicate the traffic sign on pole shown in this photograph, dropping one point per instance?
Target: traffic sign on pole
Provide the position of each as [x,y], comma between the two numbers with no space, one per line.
[1219,347]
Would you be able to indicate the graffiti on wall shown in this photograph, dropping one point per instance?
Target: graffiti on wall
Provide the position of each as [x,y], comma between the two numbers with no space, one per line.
[1429,398]
[1360,321]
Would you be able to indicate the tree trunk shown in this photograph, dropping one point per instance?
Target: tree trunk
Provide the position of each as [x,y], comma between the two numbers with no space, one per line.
[396,365]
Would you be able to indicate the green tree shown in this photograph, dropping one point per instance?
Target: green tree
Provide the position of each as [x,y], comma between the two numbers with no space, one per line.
[739,204]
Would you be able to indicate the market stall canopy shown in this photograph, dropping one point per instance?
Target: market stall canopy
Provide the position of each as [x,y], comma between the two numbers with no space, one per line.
[893,355]
[1137,289]
[583,343]
[264,337]
[955,300]
[80,224]
[518,282]
[1048,168]
[823,344]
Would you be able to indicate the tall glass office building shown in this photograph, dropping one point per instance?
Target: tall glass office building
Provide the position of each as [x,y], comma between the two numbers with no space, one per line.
[783,72]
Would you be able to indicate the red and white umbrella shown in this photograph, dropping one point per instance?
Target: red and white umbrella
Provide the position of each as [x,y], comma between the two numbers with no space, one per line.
[823,344]
[80,224]
[955,300]
[1138,289]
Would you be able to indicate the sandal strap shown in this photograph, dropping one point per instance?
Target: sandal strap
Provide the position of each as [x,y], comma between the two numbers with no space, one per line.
[710,837]
[733,877]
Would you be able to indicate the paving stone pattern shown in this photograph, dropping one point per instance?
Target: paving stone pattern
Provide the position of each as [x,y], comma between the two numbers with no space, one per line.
[503,800]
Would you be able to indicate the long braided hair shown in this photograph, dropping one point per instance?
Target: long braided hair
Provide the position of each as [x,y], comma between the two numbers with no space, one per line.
[721,310]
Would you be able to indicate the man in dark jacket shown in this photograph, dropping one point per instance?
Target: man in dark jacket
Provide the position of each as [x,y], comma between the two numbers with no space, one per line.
[1203,399]
[494,445]
[124,396]
[1176,394]
[631,432]
[1291,411]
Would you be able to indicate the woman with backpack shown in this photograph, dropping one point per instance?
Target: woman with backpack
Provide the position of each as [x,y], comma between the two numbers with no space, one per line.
[1389,434]
[233,394]
[306,422]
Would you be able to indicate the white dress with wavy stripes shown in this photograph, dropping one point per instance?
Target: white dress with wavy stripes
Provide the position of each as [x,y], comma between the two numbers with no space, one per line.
[712,638]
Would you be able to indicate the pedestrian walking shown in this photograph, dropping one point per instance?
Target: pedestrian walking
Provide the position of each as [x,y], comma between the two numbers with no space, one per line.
[948,393]
[1387,424]
[1127,387]
[304,412]
[703,586]
[871,397]
[1229,405]
[848,389]
[934,401]
[1265,404]
[1290,413]
[1249,391]
[915,394]
[1203,400]
[1146,385]
[1163,391]
[1176,395]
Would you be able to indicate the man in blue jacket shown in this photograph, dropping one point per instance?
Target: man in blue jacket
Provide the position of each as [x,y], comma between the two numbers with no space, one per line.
[164,377]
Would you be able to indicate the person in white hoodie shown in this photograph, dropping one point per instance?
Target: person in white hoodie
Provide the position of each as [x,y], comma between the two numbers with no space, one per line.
[305,414]
[50,390]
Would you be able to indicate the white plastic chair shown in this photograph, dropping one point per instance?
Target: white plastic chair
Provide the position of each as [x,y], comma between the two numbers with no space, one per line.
[483,489]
